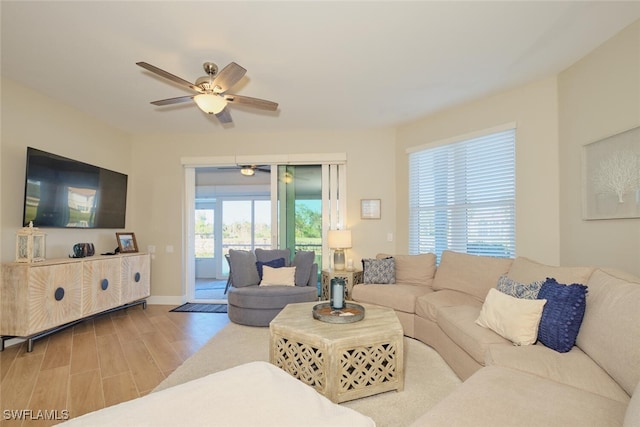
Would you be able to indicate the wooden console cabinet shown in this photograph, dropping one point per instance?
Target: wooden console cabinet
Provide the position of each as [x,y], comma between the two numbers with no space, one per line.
[38,299]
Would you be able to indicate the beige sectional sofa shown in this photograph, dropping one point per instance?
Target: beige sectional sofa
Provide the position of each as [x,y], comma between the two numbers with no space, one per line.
[528,385]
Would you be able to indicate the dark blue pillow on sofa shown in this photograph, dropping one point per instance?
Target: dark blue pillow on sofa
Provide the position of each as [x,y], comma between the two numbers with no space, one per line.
[275,263]
[562,314]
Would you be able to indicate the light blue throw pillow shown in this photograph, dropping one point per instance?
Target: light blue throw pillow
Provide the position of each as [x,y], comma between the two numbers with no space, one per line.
[508,286]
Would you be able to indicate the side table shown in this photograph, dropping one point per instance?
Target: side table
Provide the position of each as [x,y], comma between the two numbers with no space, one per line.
[351,278]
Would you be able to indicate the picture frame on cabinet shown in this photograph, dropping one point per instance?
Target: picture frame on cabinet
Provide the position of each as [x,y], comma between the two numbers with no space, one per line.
[127,242]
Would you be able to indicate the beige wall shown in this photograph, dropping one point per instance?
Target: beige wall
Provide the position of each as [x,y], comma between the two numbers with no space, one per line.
[534,109]
[554,117]
[599,96]
[31,119]
[159,182]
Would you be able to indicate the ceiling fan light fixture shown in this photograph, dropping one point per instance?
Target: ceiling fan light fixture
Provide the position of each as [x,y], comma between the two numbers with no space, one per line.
[210,103]
[247,171]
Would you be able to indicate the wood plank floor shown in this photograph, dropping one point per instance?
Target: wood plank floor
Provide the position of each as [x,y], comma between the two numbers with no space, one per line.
[97,363]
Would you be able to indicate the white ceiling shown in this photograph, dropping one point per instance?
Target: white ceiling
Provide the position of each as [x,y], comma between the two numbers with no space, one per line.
[329,64]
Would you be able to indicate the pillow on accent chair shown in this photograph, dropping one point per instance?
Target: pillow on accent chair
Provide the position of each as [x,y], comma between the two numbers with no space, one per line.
[379,271]
[275,263]
[278,276]
[562,315]
[243,268]
[512,318]
[508,286]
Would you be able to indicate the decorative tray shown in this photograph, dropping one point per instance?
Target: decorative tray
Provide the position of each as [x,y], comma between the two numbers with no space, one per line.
[349,314]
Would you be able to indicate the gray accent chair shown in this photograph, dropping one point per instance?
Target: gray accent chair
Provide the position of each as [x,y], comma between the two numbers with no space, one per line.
[254,305]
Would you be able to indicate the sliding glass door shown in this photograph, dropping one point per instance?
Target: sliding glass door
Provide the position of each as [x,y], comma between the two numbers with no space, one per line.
[284,206]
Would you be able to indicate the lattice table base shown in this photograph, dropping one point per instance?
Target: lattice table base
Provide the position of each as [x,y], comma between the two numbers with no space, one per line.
[341,361]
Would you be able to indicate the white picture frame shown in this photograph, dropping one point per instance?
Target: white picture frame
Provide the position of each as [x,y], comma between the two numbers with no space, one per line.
[370,209]
[611,177]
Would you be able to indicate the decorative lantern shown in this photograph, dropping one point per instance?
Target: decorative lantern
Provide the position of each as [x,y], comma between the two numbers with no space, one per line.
[29,244]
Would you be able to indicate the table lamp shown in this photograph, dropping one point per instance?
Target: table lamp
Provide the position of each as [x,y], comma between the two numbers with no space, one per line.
[339,240]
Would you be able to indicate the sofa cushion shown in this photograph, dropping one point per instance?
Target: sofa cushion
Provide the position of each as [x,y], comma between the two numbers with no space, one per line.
[275,263]
[285,276]
[472,274]
[459,324]
[515,319]
[562,314]
[573,368]
[399,297]
[525,270]
[611,321]
[508,286]
[303,261]
[243,268]
[416,270]
[427,305]
[380,271]
[632,417]
[496,396]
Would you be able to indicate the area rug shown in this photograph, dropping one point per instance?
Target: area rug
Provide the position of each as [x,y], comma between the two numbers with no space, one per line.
[428,379]
[201,308]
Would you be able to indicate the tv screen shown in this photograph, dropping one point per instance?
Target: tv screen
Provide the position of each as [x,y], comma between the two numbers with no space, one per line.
[61,192]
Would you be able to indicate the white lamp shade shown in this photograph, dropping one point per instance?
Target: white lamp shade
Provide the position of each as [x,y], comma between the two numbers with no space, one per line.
[339,239]
[209,103]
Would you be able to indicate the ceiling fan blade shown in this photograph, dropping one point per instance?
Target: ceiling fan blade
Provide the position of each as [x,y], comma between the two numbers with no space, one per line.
[224,116]
[170,101]
[229,76]
[251,102]
[169,76]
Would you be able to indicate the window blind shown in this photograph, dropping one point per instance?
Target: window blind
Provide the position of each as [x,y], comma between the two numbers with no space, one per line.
[462,197]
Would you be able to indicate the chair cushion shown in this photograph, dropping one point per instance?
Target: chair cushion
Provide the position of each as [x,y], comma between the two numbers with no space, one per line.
[303,261]
[270,297]
[243,268]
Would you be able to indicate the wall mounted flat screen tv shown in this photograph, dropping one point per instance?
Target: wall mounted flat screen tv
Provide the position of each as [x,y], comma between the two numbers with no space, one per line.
[65,193]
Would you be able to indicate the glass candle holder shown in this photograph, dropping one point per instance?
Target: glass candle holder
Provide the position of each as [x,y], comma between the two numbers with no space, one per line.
[337,293]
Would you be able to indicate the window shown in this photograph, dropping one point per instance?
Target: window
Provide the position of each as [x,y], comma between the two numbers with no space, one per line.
[204,233]
[462,196]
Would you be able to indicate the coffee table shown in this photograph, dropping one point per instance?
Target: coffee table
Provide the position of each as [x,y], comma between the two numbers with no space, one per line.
[343,361]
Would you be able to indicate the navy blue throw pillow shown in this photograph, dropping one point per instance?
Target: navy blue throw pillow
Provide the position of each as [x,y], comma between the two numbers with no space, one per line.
[275,263]
[562,314]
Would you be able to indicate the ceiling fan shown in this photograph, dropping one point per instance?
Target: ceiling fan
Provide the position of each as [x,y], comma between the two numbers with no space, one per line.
[247,170]
[211,90]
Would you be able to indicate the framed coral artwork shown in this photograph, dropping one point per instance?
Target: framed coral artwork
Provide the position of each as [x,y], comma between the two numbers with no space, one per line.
[611,177]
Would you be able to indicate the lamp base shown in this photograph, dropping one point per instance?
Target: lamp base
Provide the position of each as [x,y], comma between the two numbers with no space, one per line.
[338,259]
